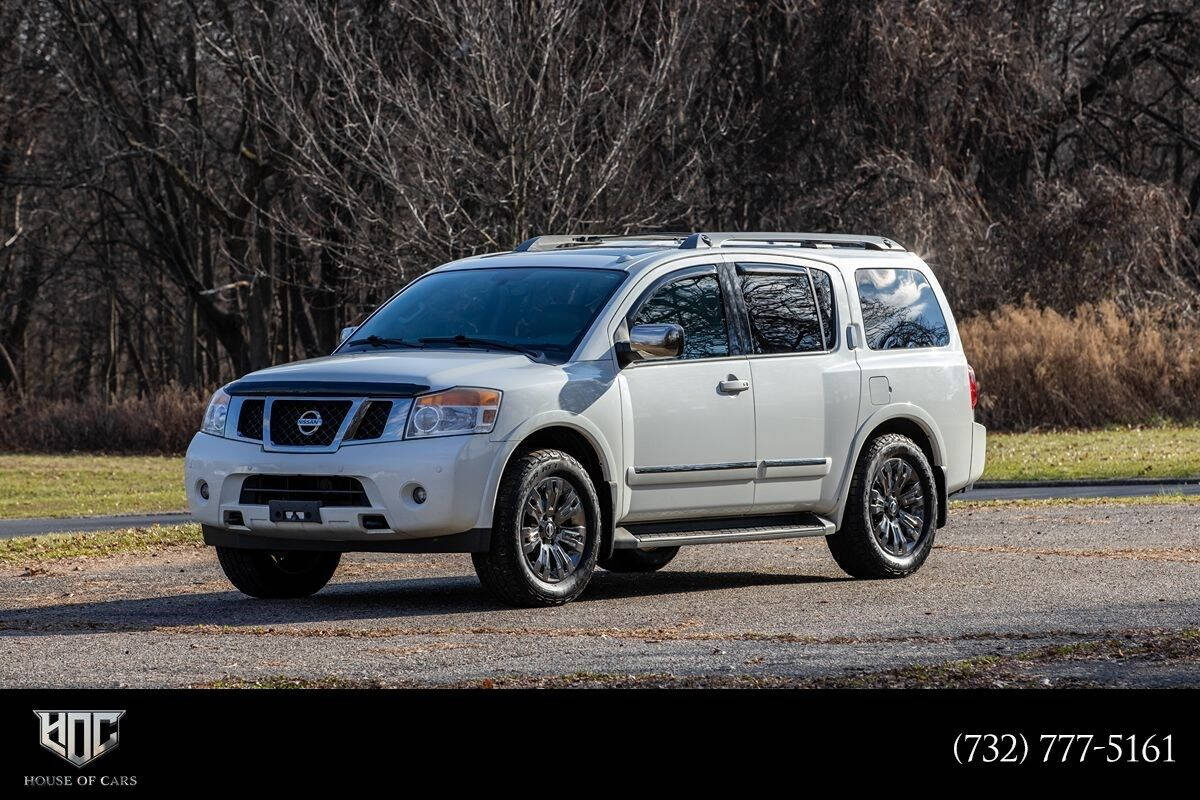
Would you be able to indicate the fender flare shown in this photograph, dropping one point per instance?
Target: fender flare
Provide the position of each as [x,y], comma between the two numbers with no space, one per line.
[550,419]
[883,414]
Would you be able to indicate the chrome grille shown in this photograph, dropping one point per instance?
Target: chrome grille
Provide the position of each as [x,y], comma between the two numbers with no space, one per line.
[307,423]
[372,420]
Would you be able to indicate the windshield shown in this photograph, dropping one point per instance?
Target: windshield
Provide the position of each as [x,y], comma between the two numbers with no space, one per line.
[535,308]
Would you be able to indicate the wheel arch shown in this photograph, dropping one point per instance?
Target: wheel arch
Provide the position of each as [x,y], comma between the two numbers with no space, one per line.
[906,420]
[577,441]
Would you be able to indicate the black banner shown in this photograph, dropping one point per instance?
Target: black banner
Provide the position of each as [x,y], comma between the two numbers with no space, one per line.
[57,741]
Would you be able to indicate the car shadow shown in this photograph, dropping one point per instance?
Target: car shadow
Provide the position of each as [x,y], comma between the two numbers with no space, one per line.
[378,601]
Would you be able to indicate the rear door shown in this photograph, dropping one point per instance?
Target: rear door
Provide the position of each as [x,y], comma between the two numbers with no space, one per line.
[806,381]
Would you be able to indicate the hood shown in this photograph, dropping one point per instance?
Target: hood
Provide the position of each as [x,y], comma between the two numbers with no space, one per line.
[393,373]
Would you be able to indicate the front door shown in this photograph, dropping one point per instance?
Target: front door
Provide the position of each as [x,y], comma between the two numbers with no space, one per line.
[692,452]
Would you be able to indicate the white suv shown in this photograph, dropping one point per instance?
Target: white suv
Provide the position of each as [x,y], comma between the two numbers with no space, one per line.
[604,400]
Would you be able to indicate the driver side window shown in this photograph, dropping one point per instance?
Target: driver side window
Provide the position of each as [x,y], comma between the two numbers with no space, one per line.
[695,304]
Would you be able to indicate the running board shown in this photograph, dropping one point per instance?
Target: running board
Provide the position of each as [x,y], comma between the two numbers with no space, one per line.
[646,535]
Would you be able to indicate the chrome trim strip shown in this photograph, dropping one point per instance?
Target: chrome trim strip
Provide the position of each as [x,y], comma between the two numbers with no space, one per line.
[696,467]
[778,462]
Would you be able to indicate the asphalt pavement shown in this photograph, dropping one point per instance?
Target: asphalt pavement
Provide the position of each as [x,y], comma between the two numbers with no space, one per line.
[1084,586]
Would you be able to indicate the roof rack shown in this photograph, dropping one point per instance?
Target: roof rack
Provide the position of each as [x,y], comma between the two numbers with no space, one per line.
[825,240]
[693,241]
[596,240]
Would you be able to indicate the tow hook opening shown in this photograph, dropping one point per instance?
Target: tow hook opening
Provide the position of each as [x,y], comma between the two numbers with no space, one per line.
[373,522]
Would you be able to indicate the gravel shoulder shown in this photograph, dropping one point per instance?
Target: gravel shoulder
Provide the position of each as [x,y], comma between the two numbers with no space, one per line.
[1010,596]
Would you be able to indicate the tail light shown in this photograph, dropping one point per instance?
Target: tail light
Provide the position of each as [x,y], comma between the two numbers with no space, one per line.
[973,385]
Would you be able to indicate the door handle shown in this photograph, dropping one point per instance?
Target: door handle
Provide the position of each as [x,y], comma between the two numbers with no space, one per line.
[733,385]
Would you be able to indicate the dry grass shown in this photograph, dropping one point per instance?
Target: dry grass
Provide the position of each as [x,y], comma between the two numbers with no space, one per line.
[1097,367]
[164,423]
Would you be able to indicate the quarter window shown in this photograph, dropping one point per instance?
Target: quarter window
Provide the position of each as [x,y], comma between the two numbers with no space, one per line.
[900,310]
[824,285]
[782,312]
[695,304]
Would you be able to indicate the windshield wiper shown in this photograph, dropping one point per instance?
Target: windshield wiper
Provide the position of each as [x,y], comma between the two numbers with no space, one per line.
[381,341]
[472,341]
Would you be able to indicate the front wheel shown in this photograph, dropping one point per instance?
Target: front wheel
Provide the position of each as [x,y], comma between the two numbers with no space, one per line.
[545,532]
[270,574]
[891,514]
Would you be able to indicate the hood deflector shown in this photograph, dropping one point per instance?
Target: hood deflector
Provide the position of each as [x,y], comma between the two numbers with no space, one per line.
[281,388]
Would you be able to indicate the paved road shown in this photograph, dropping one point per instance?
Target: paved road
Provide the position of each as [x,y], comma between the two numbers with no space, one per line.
[1002,581]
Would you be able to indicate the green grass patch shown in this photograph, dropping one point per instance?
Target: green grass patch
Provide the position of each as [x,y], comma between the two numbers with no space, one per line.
[1167,451]
[1059,502]
[83,485]
[106,543]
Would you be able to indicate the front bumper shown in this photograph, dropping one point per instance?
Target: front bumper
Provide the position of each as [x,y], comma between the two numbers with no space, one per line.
[454,470]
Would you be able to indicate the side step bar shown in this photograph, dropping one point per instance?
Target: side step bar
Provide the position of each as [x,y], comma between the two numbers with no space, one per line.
[646,535]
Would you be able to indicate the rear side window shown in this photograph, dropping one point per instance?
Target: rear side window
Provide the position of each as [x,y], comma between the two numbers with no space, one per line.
[783,313]
[900,310]
[695,304]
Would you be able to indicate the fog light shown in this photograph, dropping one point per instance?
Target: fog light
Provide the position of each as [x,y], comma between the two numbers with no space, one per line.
[204,489]
[419,495]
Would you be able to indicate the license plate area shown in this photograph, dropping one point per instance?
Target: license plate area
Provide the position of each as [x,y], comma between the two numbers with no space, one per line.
[295,511]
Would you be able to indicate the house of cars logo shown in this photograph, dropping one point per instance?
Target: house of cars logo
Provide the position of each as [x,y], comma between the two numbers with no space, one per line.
[79,736]
[309,421]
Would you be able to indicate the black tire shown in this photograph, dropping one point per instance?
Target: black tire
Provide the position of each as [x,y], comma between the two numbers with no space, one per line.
[505,570]
[269,574]
[639,560]
[859,547]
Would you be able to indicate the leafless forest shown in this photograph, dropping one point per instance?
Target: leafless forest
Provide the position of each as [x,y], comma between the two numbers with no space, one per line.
[191,189]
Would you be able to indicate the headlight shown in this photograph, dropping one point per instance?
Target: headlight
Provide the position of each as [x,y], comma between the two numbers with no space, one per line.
[454,411]
[216,414]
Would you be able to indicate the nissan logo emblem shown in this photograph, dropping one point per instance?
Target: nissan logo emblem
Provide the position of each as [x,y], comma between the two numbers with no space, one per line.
[309,422]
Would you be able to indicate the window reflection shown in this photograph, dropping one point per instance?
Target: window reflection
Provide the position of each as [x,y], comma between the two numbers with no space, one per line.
[900,310]
[783,313]
[695,304]
[825,304]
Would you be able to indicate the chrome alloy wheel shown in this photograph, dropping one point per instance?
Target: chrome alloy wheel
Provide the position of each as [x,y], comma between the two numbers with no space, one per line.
[897,505]
[553,529]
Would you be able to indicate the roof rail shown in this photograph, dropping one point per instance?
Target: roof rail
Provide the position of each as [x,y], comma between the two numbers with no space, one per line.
[692,241]
[595,240]
[697,240]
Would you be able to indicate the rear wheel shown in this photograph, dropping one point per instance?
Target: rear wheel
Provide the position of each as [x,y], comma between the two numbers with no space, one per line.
[277,574]
[639,560]
[891,514]
[545,532]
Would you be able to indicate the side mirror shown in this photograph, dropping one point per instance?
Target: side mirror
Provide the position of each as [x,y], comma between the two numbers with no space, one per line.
[656,341]
[346,334]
